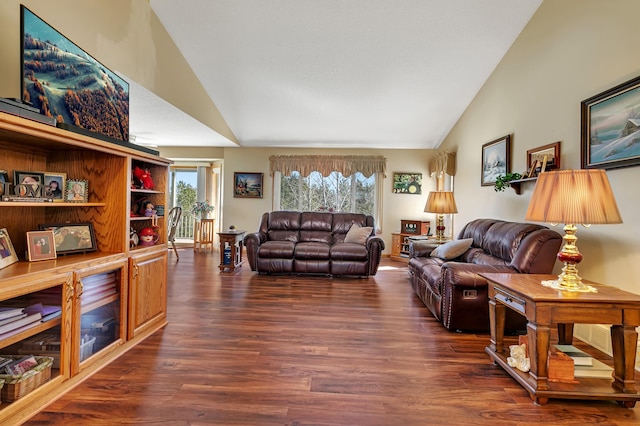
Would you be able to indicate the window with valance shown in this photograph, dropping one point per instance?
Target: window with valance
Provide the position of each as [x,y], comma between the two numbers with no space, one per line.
[334,183]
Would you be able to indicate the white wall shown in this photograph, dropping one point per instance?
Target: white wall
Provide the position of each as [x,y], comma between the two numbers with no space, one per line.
[569,51]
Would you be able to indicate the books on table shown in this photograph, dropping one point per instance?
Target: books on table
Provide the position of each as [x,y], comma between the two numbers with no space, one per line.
[584,364]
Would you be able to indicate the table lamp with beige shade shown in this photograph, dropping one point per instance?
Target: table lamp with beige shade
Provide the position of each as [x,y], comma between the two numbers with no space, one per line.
[573,197]
[440,203]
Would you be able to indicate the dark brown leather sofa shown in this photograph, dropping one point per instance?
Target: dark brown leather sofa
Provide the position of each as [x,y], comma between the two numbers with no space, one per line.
[452,289]
[290,242]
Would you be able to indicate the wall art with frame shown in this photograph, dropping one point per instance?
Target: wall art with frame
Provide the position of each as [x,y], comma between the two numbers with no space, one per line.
[611,127]
[7,252]
[407,183]
[247,185]
[72,237]
[76,190]
[543,158]
[496,160]
[40,245]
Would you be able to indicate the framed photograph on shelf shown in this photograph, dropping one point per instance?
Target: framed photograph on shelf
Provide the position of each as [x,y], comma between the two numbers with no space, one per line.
[4,178]
[7,252]
[54,184]
[40,245]
[28,184]
[72,237]
[496,160]
[546,155]
[611,127]
[247,185]
[407,183]
[76,190]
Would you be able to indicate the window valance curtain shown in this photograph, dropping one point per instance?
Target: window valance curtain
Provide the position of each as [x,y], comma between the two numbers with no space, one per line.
[325,164]
[443,162]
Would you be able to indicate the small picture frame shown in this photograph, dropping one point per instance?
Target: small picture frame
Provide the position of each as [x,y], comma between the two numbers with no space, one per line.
[40,246]
[76,191]
[247,185]
[28,184]
[7,252]
[407,183]
[4,178]
[54,186]
[72,237]
[536,158]
[496,160]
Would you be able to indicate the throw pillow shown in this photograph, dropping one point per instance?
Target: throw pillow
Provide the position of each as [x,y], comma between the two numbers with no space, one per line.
[452,249]
[358,234]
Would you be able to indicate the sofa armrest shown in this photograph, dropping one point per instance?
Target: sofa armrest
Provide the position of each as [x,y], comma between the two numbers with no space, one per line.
[460,274]
[375,246]
[421,248]
[252,243]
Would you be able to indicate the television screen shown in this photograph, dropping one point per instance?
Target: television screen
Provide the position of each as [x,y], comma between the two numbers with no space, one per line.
[68,84]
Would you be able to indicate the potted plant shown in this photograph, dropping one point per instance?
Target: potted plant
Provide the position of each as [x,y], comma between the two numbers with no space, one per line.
[202,209]
[504,181]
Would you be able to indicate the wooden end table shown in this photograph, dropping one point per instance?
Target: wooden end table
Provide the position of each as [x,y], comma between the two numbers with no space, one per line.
[544,307]
[234,240]
[203,234]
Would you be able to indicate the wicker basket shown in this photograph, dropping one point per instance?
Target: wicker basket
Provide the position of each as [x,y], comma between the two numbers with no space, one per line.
[19,385]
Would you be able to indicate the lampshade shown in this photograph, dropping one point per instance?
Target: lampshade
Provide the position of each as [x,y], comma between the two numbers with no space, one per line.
[573,196]
[441,202]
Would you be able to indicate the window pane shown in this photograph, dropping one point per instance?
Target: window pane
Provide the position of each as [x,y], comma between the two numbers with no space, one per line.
[333,193]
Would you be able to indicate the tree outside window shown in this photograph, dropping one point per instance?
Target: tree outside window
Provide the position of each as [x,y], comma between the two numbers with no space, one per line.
[333,193]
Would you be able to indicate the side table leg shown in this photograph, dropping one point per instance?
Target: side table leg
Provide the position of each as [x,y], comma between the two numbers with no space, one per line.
[538,336]
[624,341]
[497,312]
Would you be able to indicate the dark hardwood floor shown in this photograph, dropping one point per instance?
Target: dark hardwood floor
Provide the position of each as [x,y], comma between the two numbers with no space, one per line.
[244,349]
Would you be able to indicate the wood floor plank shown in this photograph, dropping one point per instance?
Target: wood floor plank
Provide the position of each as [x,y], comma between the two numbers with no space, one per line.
[249,349]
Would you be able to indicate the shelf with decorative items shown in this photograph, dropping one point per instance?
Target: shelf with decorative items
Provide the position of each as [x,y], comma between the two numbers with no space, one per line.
[400,240]
[103,172]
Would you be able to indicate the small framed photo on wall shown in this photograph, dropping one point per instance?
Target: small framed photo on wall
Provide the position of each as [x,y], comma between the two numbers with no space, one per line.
[40,245]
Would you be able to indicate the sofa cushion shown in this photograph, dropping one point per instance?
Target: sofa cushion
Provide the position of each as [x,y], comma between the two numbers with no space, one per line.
[277,249]
[348,251]
[452,249]
[316,227]
[503,239]
[342,223]
[358,234]
[312,251]
[284,226]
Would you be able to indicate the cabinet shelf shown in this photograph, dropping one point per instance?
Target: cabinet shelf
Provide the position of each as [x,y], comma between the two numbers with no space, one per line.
[20,334]
[30,204]
[98,303]
[145,191]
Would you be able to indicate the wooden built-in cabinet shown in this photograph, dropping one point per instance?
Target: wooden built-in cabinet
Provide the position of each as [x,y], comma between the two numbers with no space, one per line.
[110,298]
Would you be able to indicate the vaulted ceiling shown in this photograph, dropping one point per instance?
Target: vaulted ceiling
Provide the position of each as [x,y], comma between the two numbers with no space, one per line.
[341,73]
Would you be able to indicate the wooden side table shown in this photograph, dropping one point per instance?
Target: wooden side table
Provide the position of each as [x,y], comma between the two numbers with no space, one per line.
[232,239]
[544,307]
[203,234]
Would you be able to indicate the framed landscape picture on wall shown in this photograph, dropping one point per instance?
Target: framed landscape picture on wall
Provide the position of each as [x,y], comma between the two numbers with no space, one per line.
[247,185]
[496,157]
[611,127]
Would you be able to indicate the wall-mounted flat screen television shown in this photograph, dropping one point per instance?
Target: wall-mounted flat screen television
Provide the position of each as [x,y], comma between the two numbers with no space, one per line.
[68,84]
